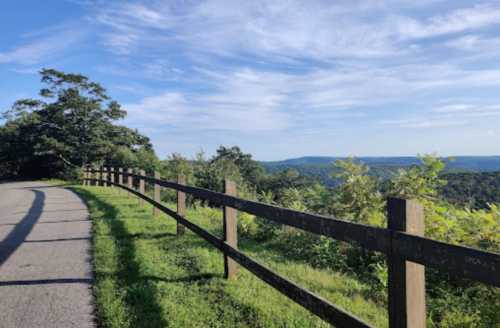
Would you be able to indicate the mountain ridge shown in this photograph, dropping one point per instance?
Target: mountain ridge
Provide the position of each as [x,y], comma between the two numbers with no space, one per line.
[465,163]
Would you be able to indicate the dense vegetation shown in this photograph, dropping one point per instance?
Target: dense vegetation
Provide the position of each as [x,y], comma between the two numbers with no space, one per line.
[472,182]
[473,190]
[76,126]
[148,277]
[70,124]
[360,197]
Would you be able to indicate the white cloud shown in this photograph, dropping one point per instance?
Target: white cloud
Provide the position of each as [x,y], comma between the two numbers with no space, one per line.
[315,30]
[463,19]
[425,123]
[446,116]
[293,29]
[251,101]
[242,101]
[469,110]
[43,48]
[285,68]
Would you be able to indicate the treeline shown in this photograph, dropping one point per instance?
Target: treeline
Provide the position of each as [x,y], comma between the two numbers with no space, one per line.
[72,122]
[471,189]
[468,189]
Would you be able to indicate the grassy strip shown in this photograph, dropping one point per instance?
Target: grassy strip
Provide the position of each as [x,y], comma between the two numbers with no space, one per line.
[148,277]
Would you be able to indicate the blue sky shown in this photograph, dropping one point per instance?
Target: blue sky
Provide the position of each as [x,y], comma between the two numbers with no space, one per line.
[280,79]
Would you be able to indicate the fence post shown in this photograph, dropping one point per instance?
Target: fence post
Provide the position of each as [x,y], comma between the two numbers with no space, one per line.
[84,181]
[112,176]
[101,177]
[142,188]
[105,176]
[130,182]
[406,280]
[181,204]
[230,231]
[120,179]
[90,176]
[156,193]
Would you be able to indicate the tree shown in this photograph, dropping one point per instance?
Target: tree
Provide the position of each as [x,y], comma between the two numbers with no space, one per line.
[357,197]
[289,178]
[176,165]
[214,173]
[250,170]
[70,125]
[419,181]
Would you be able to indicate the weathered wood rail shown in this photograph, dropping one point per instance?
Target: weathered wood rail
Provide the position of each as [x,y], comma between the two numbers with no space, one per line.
[403,243]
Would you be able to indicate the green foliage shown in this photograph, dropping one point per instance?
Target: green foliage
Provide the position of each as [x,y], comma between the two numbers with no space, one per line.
[473,190]
[72,124]
[473,228]
[249,169]
[357,197]
[289,178]
[228,163]
[147,277]
[419,181]
[176,165]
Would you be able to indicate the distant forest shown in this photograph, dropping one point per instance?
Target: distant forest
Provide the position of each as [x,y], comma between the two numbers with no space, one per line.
[472,189]
[472,181]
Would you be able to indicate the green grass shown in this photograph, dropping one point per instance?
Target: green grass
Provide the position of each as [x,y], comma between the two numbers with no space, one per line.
[148,277]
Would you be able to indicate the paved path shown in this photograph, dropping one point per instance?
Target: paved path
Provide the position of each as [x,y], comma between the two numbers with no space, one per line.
[45,269]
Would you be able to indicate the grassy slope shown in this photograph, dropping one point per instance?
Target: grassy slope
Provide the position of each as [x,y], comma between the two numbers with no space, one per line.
[148,277]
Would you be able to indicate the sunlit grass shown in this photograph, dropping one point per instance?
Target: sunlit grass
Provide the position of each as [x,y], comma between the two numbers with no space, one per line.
[148,277]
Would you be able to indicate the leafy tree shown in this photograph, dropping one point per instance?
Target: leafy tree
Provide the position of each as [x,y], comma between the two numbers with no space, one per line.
[419,181]
[293,198]
[250,170]
[216,172]
[317,198]
[71,124]
[281,180]
[176,165]
[357,197]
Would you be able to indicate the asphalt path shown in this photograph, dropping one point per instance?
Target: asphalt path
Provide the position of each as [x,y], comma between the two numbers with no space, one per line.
[45,257]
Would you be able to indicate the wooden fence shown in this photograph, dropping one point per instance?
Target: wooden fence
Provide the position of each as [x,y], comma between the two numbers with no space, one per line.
[408,252]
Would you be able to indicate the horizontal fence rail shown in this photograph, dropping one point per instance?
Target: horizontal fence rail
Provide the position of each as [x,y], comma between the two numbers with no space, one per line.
[462,261]
[397,245]
[309,300]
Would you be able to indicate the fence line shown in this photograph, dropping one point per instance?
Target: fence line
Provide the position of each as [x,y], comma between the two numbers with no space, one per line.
[400,242]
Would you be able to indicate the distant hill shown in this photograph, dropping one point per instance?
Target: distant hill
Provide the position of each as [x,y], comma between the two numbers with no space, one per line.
[465,163]
[320,167]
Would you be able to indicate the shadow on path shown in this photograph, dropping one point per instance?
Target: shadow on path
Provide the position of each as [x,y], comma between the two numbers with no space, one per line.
[87,281]
[17,236]
[56,240]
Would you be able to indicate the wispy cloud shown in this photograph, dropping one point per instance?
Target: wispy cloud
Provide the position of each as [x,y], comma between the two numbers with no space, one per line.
[42,48]
[202,71]
[469,110]
[315,30]
[293,29]
[242,102]
[449,115]
[250,100]
[424,123]
[459,20]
